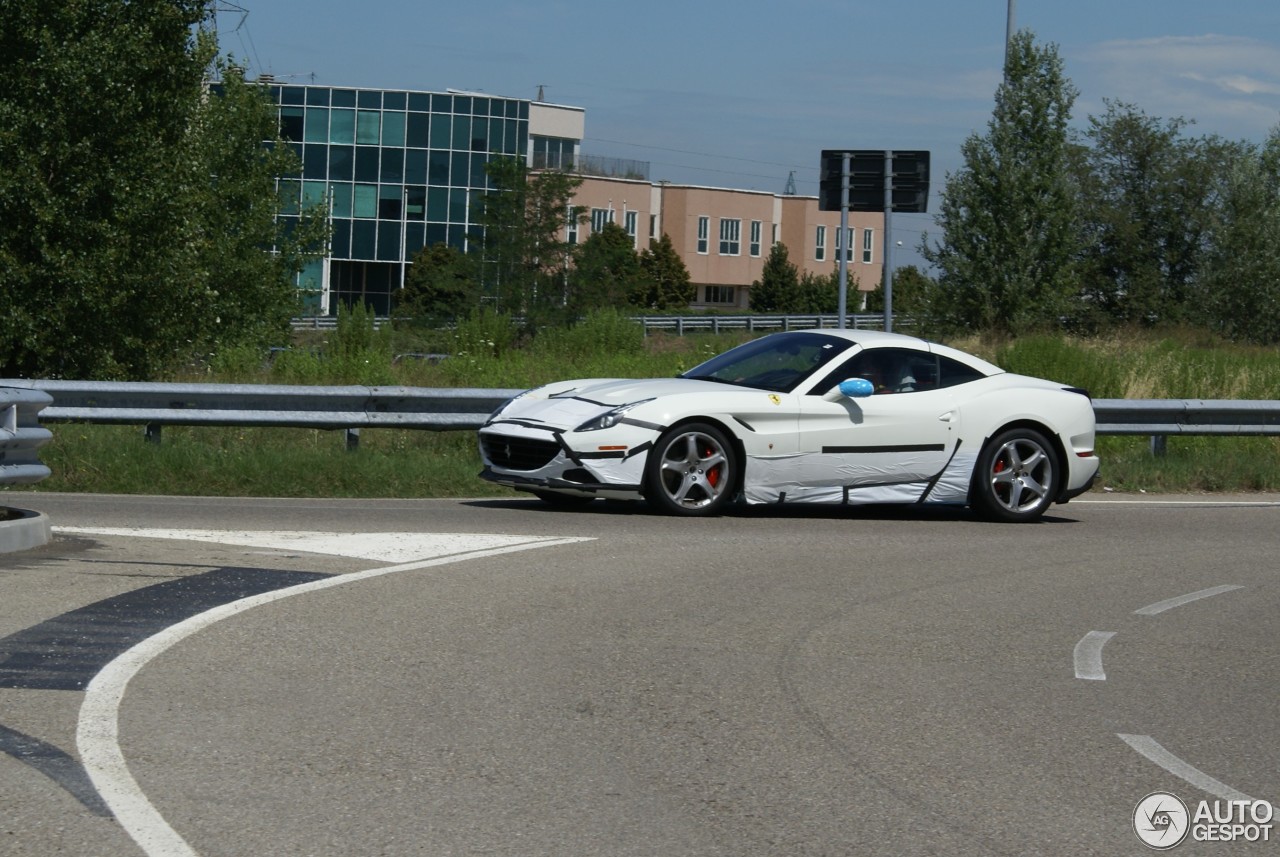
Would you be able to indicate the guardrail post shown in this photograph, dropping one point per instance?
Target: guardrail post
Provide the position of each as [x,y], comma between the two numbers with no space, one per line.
[151,432]
[1159,445]
[353,439]
[680,326]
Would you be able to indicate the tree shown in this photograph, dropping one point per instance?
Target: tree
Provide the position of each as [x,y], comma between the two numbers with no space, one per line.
[250,243]
[668,285]
[777,290]
[1147,195]
[135,209]
[1007,258]
[912,293]
[820,293]
[95,100]
[606,271]
[441,287]
[1241,288]
[525,254]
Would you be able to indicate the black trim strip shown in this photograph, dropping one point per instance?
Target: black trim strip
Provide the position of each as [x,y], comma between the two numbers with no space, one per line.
[525,424]
[748,426]
[928,489]
[569,453]
[608,453]
[636,450]
[920,447]
[643,424]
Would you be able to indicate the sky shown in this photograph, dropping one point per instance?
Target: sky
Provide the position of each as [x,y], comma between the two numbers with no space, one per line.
[747,94]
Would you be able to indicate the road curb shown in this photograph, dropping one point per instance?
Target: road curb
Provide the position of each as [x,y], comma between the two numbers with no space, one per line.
[21,529]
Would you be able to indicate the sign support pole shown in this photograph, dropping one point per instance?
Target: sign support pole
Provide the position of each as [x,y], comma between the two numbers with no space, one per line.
[841,240]
[888,241]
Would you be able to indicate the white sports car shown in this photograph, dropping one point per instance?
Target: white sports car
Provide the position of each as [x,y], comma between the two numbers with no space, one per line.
[829,416]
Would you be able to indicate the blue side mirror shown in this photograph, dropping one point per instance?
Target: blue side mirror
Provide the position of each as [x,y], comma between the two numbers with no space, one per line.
[857,388]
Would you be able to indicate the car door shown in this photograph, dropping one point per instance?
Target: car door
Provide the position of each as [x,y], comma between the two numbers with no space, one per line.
[887,447]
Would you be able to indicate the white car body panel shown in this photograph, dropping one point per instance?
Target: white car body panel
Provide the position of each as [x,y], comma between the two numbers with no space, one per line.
[919,446]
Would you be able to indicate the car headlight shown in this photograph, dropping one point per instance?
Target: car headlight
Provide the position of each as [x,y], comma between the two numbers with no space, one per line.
[609,419]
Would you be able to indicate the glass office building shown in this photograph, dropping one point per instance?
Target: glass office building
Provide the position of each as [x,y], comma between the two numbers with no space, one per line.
[401,170]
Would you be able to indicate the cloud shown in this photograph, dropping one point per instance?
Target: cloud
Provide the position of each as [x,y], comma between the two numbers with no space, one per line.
[1229,85]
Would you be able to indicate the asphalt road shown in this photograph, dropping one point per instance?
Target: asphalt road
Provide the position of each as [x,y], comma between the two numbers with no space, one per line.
[611,682]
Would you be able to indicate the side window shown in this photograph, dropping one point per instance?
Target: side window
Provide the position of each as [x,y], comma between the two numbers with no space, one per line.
[890,370]
[953,372]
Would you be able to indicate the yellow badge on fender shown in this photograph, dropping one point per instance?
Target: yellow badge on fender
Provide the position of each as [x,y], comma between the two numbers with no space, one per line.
[777,400]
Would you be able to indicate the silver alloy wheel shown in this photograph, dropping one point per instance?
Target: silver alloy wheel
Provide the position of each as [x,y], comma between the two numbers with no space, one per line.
[694,470]
[1021,475]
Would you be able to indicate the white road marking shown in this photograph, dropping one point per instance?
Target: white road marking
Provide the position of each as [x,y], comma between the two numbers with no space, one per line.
[1147,746]
[97,733]
[380,547]
[1088,655]
[1170,603]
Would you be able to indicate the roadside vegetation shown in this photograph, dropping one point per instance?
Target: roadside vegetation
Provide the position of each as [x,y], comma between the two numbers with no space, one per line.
[1117,253]
[489,352]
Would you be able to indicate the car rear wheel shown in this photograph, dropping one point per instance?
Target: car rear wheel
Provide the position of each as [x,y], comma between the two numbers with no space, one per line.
[691,471]
[1017,476]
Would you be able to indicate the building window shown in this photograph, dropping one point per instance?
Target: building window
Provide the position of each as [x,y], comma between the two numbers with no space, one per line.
[704,234]
[630,221]
[599,217]
[572,236]
[730,237]
[720,294]
[653,226]
[867,241]
[820,245]
[755,237]
[846,244]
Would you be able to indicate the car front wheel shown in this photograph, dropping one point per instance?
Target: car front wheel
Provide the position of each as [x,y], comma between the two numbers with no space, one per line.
[1017,476]
[690,471]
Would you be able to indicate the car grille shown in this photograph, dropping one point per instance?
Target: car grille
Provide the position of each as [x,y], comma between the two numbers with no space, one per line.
[518,453]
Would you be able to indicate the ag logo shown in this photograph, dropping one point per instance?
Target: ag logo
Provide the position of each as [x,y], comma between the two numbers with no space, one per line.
[1161,820]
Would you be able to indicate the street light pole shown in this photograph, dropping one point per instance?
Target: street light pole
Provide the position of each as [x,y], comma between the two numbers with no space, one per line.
[1008,33]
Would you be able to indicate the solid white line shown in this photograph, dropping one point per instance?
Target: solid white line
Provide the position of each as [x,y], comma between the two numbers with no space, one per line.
[1170,603]
[97,733]
[1088,655]
[1147,746]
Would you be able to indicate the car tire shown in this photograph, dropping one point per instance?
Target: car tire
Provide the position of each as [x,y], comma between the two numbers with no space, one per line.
[691,471]
[1017,476]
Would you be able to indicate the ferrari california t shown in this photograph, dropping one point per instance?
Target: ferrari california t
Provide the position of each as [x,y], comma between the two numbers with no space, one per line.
[818,416]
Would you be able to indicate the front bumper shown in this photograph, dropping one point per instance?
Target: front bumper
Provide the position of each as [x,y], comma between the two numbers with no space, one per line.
[535,459]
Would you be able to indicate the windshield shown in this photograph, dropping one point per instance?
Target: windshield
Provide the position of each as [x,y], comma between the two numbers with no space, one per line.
[778,362]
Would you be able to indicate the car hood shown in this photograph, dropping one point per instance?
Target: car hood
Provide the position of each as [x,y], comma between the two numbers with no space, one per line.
[568,404]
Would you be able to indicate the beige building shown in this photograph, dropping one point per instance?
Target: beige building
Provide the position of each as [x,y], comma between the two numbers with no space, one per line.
[724,235]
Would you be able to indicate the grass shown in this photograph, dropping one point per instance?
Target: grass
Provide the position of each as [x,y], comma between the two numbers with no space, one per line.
[485,353]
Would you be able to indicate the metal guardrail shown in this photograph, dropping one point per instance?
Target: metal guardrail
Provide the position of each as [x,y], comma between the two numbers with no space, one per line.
[1160,418]
[21,435]
[682,324]
[352,408]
